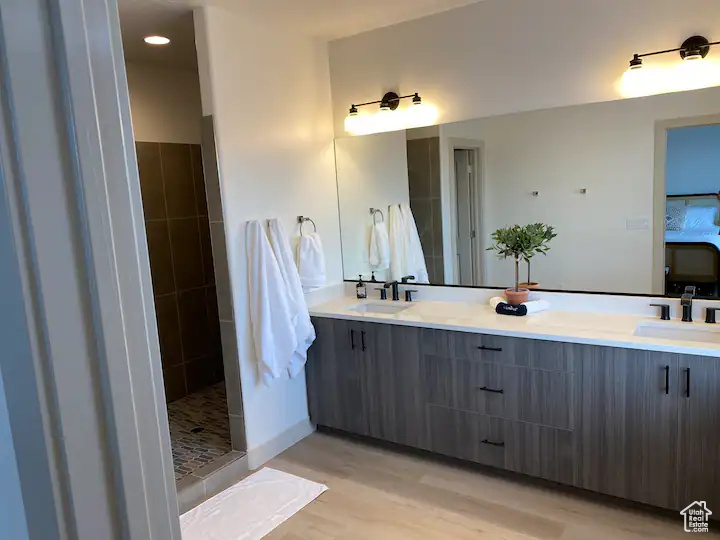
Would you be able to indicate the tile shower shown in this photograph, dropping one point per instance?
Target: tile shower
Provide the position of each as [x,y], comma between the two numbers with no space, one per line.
[423,158]
[183,275]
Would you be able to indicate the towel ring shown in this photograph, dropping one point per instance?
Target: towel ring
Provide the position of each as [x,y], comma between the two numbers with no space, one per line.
[374,212]
[302,220]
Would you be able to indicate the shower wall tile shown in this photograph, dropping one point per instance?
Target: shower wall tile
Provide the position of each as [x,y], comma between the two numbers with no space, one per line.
[151,183]
[166,310]
[178,177]
[182,266]
[232,368]
[187,253]
[161,263]
[174,379]
[424,186]
[198,180]
[222,273]
[207,255]
[194,323]
[210,170]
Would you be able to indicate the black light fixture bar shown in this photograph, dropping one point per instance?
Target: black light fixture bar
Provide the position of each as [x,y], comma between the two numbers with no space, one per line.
[698,44]
[391,99]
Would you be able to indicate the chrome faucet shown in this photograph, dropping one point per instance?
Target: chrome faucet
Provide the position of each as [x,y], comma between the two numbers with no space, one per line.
[686,301]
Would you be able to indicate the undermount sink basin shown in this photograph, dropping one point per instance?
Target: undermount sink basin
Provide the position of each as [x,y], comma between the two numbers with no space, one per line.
[385,309]
[679,331]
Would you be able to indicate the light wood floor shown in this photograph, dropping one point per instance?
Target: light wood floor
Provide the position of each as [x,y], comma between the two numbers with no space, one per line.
[377,493]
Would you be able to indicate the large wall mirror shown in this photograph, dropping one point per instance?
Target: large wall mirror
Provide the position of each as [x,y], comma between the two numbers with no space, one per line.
[630,186]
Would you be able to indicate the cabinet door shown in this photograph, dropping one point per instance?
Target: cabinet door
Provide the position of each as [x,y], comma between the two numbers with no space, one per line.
[629,424]
[392,384]
[699,429]
[336,378]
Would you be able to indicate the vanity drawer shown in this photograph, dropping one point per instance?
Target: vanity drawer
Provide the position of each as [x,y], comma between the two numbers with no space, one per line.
[511,392]
[531,353]
[464,435]
[521,447]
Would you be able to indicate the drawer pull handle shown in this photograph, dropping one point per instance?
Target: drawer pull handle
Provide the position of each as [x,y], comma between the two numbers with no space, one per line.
[484,348]
[667,379]
[492,390]
[491,443]
[362,339]
[687,382]
[352,339]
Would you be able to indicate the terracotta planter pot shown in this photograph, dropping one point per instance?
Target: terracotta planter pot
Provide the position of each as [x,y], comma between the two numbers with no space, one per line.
[516,297]
[530,285]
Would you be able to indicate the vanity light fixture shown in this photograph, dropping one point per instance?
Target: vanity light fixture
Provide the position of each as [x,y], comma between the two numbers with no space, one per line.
[693,48]
[690,74]
[388,117]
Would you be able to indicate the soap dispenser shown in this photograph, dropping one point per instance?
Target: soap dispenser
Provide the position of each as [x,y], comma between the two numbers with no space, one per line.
[361,289]
[373,279]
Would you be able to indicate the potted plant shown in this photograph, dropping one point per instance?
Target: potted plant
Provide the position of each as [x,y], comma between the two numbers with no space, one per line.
[539,235]
[521,243]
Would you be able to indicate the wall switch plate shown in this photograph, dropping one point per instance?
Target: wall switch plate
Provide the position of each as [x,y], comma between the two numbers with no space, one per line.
[637,224]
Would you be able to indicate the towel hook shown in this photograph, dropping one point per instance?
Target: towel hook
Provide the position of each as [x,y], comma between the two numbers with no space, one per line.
[302,220]
[374,212]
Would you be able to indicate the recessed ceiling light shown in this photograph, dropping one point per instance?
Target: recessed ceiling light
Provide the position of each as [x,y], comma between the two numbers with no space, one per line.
[157,40]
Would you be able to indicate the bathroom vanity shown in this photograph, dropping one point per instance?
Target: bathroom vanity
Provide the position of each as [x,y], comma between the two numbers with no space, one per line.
[637,424]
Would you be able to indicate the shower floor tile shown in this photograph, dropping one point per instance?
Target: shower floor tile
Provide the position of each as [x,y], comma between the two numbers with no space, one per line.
[199,429]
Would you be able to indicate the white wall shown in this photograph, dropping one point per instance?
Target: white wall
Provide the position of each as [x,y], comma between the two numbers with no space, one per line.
[165,103]
[270,96]
[607,148]
[372,172]
[501,56]
[693,160]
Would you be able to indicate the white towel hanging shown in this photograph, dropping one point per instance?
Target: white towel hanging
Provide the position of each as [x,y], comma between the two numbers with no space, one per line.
[379,253]
[299,314]
[397,242]
[311,261]
[414,257]
[273,332]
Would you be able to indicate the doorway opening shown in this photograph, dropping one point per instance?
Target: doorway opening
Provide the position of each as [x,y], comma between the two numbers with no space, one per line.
[687,240]
[184,225]
[467,215]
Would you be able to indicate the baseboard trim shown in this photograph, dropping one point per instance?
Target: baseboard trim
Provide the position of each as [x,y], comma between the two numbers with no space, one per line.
[258,456]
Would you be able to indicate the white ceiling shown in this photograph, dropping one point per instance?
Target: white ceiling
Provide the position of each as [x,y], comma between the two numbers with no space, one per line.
[324,19]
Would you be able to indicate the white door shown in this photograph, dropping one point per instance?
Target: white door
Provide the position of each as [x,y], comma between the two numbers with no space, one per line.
[466,217]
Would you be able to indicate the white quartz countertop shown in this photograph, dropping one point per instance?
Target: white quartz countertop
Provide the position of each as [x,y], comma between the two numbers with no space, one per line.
[590,328]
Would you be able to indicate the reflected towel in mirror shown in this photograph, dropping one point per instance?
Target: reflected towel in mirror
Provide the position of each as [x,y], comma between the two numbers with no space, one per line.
[379,256]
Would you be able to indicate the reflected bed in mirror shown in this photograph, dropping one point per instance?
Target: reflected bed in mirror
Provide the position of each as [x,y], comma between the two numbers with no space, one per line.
[597,173]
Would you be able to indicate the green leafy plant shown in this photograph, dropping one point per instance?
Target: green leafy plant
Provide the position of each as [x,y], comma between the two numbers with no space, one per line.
[522,243]
[540,236]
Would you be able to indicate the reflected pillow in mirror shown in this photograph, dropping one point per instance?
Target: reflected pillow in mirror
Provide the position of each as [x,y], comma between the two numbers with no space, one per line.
[700,217]
[675,218]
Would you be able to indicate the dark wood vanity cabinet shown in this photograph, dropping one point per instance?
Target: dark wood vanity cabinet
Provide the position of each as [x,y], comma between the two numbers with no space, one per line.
[615,421]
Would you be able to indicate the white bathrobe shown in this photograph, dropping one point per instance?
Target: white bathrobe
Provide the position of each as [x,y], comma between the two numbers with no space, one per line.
[273,332]
[299,314]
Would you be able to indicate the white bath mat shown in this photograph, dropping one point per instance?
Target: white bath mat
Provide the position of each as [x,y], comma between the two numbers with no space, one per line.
[251,508]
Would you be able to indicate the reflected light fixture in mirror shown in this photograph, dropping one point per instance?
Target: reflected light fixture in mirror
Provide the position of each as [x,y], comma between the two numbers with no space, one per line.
[694,72]
[390,116]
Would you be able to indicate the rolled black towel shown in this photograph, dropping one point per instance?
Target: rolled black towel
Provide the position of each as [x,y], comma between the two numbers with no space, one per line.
[508,309]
